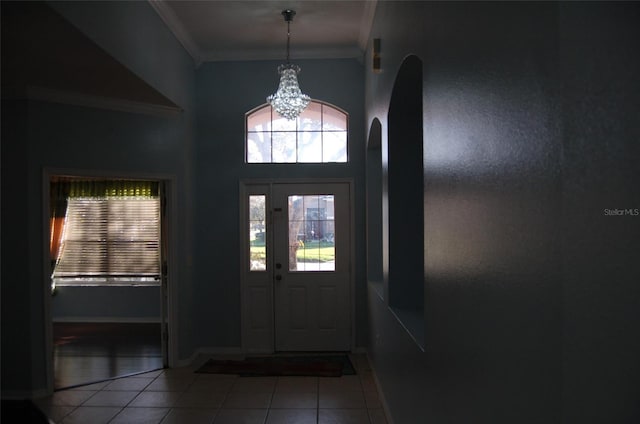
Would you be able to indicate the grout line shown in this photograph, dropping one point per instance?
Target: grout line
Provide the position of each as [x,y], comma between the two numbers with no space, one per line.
[226,396]
[114,417]
[67,414]
[273,393]
[84,401]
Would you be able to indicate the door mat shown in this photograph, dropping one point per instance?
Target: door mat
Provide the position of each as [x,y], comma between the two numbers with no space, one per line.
[314,366]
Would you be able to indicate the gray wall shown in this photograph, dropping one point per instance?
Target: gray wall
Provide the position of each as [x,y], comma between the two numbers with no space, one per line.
[226,91]
[492,305]
[600,64]
[106,304]
[530,132]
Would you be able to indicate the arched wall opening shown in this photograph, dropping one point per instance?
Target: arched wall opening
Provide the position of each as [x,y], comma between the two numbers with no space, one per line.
[374,208]
[405,199]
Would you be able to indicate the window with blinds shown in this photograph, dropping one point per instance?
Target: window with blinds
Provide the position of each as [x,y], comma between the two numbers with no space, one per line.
[110,240]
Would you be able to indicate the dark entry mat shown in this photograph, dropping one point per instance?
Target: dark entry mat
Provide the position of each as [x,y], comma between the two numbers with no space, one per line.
[316,366]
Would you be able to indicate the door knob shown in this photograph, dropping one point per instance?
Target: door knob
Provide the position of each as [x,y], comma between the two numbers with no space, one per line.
[278,277]
[278,266]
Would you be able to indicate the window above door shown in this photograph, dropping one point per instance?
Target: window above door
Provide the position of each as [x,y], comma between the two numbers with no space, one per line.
[318,135]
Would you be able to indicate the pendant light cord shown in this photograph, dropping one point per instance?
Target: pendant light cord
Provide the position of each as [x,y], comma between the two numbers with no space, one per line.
[288,17]
[288,39]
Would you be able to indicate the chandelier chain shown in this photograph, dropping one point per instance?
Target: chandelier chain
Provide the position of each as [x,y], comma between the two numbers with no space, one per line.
[288,38]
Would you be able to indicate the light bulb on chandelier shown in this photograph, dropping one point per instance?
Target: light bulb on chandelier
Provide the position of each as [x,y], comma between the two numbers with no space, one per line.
[288,101]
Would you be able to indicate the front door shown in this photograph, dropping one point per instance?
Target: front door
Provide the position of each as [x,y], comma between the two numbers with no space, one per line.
[296,283]
[311,266]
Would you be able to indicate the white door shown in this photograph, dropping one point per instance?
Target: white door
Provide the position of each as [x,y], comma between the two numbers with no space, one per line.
[311,266]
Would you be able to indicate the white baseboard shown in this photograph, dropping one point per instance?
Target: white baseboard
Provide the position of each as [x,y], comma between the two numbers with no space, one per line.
[383,400]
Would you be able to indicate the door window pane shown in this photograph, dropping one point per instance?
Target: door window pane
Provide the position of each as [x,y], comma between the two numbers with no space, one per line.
[311,233]
[257,233]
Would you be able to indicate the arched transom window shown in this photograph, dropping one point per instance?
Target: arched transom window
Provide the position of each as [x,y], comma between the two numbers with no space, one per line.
[318,135]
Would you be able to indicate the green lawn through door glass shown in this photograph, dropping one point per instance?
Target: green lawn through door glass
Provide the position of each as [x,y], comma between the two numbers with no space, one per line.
[257,233]
[311,233]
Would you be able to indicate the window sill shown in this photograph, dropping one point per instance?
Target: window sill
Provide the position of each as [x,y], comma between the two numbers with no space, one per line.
[413,322]
[104,282]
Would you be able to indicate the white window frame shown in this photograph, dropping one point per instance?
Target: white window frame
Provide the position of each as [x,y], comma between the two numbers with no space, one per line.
[294,127]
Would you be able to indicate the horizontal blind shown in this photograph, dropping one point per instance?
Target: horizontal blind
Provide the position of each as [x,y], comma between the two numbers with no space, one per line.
[110,237]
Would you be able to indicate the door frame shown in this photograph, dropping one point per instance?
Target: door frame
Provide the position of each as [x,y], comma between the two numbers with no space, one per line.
[250,343]
[168,306]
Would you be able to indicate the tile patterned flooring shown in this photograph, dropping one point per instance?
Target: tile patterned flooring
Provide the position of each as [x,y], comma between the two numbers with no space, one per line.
[181,396]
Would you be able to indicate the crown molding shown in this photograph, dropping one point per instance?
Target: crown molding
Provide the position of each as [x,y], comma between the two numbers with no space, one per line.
[169,17]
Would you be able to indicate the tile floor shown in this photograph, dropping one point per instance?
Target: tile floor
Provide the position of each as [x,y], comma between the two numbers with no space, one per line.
[184,397]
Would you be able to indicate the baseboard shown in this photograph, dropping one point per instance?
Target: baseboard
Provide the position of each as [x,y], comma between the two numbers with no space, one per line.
[24,394]
[113,320]
[383,400]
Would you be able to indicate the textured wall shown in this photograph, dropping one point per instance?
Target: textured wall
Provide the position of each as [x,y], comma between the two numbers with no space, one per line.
[600,64]
[530,131]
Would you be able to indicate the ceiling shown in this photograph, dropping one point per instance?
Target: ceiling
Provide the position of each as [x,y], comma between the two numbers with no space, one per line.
[255,30]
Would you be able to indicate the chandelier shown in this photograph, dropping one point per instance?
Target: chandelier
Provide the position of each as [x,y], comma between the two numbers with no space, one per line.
[288,101]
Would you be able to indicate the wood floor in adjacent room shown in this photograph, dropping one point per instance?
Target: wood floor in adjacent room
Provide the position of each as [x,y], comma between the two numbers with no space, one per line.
[85,353]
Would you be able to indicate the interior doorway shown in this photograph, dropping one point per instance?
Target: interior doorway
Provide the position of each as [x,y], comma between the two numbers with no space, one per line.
[108,278]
